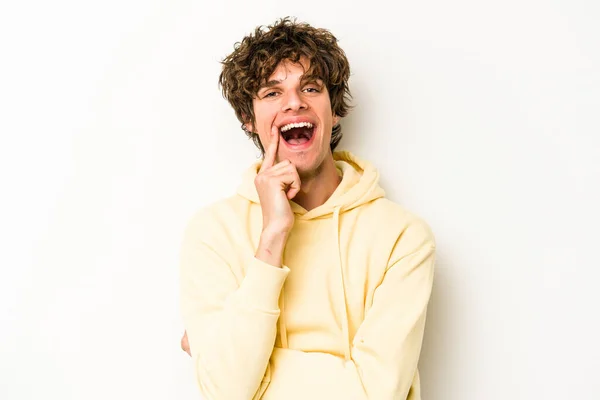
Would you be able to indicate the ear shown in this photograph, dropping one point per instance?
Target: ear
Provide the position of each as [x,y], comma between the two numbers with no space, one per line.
[336,119]
[248,125]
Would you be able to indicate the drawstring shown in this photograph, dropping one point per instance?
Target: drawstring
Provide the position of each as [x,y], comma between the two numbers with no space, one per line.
[282,328]
[345,330]
[344,313]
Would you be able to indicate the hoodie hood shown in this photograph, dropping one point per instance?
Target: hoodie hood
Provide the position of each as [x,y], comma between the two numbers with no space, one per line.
[359,185]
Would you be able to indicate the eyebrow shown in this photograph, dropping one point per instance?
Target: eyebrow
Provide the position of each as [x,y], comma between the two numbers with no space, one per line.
[269,84]
[304,80]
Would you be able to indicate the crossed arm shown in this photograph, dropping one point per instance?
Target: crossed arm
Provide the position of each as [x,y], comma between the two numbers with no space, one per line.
[385,349]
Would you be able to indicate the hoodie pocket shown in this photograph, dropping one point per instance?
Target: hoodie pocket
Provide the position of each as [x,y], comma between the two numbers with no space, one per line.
[297,375]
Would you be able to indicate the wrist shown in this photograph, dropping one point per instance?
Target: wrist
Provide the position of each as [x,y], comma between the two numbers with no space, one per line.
[271,246]
[275,231]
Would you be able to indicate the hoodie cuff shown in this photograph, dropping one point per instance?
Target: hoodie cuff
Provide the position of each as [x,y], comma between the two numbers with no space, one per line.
[262,285]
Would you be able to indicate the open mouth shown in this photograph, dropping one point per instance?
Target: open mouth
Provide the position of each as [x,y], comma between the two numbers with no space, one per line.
[298,133]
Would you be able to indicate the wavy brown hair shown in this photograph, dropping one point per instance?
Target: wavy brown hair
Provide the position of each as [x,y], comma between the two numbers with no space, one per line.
[255,58]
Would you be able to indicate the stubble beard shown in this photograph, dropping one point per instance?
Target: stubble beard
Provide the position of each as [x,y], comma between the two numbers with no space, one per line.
[306,175]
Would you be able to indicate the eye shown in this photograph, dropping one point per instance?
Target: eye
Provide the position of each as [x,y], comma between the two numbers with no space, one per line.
[270,94]
[311,89]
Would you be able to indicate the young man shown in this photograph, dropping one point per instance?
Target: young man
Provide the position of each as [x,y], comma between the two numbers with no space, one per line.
[308,283]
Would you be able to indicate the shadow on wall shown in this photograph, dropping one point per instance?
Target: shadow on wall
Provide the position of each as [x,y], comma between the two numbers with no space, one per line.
[439,363]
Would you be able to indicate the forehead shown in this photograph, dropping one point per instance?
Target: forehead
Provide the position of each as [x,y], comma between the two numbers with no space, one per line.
[287,69]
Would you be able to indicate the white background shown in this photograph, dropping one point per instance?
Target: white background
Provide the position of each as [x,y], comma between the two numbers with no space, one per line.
[481,116]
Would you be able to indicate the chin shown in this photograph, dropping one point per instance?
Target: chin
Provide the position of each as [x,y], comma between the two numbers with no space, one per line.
[308,169]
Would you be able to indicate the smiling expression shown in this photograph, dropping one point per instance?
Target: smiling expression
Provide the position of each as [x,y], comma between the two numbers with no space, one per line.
[301,111]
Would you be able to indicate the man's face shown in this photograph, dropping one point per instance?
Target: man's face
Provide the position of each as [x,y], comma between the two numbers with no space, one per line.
[301,111]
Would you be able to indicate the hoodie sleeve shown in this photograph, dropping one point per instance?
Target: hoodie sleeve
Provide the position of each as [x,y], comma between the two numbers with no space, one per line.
[387,345]
[230,321]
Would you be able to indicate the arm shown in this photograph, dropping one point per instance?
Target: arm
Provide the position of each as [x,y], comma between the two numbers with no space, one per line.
[387,345]
[262,255]
[231,325]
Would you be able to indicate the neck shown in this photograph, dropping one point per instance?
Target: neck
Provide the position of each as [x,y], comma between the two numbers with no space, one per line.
[317,188]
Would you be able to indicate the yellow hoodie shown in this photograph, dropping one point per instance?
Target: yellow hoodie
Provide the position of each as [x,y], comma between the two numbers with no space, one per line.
[344,317]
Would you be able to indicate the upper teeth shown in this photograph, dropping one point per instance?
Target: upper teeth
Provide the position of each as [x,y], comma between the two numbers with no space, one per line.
[296,125]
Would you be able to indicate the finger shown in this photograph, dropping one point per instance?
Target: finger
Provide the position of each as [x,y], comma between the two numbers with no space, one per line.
[185,345]
[281,165]
[294,185]
[271,152]
[283,169]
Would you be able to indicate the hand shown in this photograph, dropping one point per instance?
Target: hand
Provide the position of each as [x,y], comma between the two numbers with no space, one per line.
[185,345]
[276,185]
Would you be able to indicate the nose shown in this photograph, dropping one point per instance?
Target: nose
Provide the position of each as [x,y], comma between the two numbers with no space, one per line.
[293,101]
